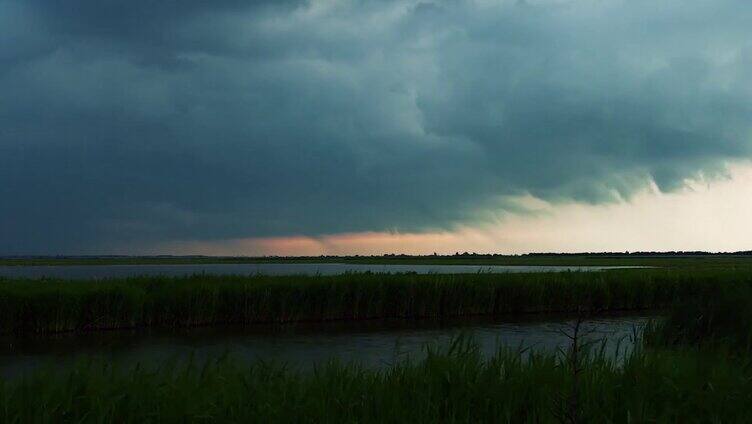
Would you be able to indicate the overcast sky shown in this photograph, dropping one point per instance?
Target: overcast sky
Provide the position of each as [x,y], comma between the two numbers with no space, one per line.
[229,126]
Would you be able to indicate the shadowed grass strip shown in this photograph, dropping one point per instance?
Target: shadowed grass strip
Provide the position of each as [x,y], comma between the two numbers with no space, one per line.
[721,320]
[49,306]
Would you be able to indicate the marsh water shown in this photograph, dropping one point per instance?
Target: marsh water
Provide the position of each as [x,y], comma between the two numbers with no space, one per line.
[374,344]
[122,271]
[371,344]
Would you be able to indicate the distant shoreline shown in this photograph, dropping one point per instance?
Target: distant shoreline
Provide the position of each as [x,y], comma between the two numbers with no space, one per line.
[541,259]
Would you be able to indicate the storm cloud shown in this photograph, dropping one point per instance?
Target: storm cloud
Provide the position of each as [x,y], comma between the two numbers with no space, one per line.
[135,122]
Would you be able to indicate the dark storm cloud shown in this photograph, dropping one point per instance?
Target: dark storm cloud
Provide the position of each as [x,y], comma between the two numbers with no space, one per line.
[137,122]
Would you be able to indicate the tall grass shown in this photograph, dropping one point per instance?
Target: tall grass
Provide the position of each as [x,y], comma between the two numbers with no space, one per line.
[49,306]
[723,319]
[688,377]
[454,385]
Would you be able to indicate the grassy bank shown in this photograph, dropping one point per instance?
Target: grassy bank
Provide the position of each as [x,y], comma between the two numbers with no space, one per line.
[655,260]
[451,386]
[49,306]
[722,319]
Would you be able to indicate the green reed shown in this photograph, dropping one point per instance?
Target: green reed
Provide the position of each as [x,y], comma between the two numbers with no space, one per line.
[49,306]
[454,384]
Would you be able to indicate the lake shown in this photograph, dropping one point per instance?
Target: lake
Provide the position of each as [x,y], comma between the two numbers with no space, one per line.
[374,344]
[123,271]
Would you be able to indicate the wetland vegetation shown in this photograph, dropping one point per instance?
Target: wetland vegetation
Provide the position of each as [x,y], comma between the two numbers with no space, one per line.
[657,383]
[51,306]
[659,259]
[691,366]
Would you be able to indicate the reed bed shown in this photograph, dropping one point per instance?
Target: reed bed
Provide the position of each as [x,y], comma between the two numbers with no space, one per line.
[453,385]
[719,321]
[695,367]
[53,306]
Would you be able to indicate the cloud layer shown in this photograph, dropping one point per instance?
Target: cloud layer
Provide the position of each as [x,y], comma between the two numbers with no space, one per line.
[135,122]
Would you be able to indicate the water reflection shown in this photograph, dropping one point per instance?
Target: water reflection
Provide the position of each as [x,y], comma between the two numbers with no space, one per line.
[372,344]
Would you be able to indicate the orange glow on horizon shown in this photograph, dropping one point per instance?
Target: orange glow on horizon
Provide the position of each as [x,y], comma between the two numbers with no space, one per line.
[706,215]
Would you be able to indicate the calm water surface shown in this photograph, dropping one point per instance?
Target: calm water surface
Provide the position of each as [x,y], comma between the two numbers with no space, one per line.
[371,344]
[121,271]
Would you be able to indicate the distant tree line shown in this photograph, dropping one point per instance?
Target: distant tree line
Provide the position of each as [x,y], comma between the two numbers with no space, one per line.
[398,255]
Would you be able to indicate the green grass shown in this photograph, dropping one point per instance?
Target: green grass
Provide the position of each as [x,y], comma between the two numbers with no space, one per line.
[454,385]
[723,319]
[710,260]
[694,367]
[50,306]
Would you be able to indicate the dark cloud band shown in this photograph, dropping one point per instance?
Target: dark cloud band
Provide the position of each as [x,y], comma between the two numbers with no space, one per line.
[137,122]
